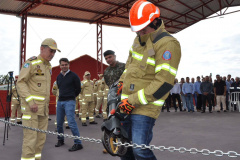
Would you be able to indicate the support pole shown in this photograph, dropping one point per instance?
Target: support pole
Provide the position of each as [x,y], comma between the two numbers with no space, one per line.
[23,39]
[99,48]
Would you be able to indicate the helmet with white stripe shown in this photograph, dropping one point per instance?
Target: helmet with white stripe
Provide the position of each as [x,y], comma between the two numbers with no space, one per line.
[142,14]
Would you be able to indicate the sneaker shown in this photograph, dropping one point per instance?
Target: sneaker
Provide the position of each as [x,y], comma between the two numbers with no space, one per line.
[203,112]
[218,111]
[84,124]
[224,111]
[98,116]
[168,111]
[59,143]
[75,147]
[67,127]
[93,122]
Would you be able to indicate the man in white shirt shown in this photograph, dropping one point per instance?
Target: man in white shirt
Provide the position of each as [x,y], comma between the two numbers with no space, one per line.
[175,92]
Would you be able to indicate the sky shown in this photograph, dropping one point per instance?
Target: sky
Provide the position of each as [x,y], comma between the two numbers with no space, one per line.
[209,46]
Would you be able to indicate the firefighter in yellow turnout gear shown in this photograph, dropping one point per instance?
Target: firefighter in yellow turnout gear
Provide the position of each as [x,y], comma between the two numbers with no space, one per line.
[15,105]
[104,105]
[148,77]
[55,91]
[99,85]
[33,86]
[87,99]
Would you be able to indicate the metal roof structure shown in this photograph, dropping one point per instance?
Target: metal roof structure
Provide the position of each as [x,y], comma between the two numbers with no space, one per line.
[176,14]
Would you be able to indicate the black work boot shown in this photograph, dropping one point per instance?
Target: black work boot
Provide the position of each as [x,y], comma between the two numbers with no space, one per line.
[84,124]
[93,122]
[59,143]
[75,147]
[98,116]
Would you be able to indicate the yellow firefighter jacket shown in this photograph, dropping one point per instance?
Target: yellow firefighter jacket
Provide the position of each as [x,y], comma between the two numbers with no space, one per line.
[106,89]
[33,85]
[150,72]
[100,85]
[87,90]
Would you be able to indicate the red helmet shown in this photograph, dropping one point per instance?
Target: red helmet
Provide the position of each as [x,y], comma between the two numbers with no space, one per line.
[142,14]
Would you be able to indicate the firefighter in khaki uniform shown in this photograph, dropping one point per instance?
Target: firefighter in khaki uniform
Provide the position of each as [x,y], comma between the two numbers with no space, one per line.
[95,92]
[15,105]
[55,91]
[104,105]
[148,77]
[100,85]
[80,97]
[87,101]
[33,86]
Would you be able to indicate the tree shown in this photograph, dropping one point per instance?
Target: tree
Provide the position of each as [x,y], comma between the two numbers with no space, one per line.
[4,79]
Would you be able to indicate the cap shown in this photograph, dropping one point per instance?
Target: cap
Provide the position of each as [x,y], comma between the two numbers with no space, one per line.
[108,52]
[86,73]
[51,43]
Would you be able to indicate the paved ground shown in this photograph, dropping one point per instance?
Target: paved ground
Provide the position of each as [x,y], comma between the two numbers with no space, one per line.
[216,131]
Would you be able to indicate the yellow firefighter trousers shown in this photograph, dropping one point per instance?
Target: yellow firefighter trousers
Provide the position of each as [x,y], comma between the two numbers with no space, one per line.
[99,103]
[104,108]
[76,107]
[33,141]
[87,106]
[14,108]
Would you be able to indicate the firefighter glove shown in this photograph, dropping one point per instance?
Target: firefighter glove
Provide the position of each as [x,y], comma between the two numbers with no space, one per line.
[125,106]
[119,87]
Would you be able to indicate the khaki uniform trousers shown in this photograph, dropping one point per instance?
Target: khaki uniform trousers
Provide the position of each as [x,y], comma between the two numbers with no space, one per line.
[87,107]
[99,103]
[76,106]
[33,141]
[104,108]
[80,109]
[221,98]
[14,108]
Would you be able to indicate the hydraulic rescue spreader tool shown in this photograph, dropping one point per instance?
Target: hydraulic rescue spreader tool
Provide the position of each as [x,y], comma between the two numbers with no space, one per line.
[113,132]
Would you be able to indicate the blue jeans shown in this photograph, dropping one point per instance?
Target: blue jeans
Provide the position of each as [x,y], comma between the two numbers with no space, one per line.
[184,101]
[139,129]
[189,101]
[67,108]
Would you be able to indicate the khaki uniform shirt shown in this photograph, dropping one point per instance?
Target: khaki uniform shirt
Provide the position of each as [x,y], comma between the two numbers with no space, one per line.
[100,85]
[33,85]
[87,90]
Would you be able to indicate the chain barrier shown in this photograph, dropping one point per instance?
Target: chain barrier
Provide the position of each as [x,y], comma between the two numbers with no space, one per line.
[205,152]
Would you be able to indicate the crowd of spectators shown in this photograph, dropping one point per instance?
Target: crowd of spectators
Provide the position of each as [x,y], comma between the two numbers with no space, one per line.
[202,94]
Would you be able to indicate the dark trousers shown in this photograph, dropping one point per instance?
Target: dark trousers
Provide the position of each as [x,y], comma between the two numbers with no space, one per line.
[199,101]
[174,97]
[204,99]
[167,103]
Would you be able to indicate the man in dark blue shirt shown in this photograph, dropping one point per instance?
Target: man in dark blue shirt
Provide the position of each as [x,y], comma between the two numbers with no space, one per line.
[68,84]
